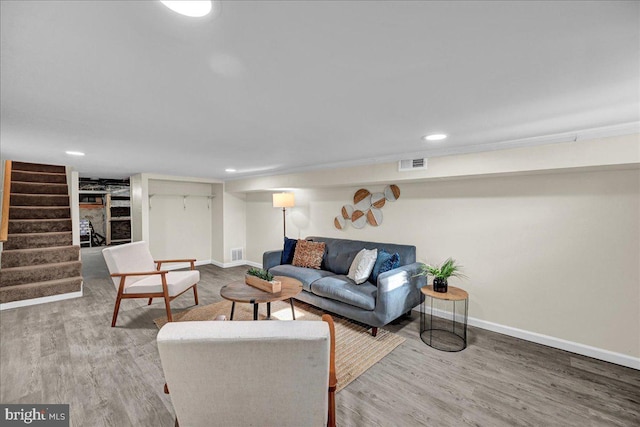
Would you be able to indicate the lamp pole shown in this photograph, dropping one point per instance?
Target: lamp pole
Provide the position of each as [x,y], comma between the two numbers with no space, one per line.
[284,223]
[284,201]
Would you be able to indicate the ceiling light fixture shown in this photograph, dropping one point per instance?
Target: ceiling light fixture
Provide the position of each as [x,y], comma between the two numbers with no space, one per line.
[75,153]
[229,170]
[435,137]
[192,8]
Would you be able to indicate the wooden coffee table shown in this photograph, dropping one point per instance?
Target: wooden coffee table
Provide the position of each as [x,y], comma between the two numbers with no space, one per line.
[239,291]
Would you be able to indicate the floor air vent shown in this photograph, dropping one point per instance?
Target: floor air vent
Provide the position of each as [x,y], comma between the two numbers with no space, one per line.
[236,254]
[412,165]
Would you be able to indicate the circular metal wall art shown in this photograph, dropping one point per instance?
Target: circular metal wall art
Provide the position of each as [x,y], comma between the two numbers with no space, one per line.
[374,217]
[362,200]
[364,205]
[392,192]
[347,211]
[339,222]
[360,194]
[378,200]
[358,219]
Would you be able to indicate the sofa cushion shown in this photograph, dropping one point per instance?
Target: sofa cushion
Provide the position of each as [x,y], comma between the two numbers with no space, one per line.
[336,246]
[385,262]
[288,251]
[305,275]
[308,254]
[339,262]
[343,289]
[362,265]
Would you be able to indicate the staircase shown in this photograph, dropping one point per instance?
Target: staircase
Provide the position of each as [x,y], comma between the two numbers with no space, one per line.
[38,258]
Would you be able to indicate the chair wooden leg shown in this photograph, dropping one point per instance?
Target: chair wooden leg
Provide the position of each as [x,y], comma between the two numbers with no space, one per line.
[167,304]
[374,331]
[331,419]
[115,310]
[150,299]
[195,293]
[333,381]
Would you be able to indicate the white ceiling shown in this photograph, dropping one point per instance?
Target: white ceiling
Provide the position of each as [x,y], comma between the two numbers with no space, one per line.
[273,86]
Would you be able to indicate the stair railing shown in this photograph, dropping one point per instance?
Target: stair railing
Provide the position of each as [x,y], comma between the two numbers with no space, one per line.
[6,194]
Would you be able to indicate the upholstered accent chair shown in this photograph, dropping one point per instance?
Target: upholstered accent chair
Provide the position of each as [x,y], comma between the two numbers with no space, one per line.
[250,373]
[136,275]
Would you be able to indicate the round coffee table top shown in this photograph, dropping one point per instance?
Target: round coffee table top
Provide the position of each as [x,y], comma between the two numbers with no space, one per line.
[239,291]
[452,294]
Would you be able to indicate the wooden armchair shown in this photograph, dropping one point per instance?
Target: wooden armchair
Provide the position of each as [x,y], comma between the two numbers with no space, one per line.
[136,275]
[250,373]
[333,380]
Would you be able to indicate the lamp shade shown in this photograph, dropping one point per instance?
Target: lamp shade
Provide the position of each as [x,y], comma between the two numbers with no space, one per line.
[283,200]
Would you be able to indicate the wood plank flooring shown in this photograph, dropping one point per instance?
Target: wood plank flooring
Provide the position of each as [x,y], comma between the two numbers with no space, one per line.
[66,352]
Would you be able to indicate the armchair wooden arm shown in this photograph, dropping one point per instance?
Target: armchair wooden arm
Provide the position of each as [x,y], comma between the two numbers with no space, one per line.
[141,273]
[165,261]
[333,381]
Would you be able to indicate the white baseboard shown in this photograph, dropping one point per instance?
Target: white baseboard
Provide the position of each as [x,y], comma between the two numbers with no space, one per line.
[573,347]
[254,264]
[179,265]
[235,263]
[42,300]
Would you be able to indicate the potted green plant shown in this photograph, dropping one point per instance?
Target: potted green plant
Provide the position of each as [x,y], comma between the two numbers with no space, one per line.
[441,273]
[263,280]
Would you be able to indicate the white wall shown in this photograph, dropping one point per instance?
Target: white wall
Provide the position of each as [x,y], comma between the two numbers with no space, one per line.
[73,180]
[552,253]
[217,225]
[176,227]
[234,224]
[614,151]
[180,227]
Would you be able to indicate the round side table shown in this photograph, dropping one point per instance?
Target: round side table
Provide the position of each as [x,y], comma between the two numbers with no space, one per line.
[445,334]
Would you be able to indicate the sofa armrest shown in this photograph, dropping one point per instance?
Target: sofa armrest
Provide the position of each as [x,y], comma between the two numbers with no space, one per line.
[399,290]
[271,259]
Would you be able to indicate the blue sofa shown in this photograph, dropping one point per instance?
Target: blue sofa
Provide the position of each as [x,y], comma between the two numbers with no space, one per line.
[375,304]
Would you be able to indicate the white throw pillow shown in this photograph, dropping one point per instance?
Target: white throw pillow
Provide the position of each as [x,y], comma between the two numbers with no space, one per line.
[362,265]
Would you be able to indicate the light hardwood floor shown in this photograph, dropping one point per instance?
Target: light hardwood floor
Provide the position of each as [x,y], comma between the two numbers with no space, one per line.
[66,352]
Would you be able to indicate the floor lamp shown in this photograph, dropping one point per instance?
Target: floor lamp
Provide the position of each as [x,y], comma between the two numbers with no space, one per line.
[284,201]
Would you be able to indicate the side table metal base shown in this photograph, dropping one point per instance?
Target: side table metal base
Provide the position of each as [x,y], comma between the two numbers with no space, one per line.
[448,335]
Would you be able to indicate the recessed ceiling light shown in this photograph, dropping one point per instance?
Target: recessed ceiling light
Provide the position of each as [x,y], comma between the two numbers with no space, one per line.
[192,8]
[435,137]
[75,153]
[229,170]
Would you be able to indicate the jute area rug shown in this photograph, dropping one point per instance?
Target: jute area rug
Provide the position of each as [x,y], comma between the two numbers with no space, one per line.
[356,349]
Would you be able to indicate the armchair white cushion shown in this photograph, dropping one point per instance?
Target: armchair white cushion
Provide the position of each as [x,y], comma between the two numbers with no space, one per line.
[244,373]
[177,282]
[136,275]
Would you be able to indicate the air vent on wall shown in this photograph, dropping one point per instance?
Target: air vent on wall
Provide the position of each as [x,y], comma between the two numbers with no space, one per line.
[412,165]
[236,254]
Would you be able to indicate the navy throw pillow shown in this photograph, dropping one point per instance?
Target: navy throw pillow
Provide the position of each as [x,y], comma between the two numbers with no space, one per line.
[384,262]
[288,251]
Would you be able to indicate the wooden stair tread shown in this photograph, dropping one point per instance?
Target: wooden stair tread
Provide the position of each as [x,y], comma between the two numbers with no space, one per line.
[58,184]
[39,220]
[41,266]
[39,173]
[39,207]
[39,194]
[46,282]
[47,288]
[30,250]
[49,233]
